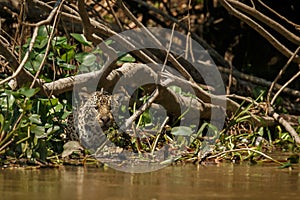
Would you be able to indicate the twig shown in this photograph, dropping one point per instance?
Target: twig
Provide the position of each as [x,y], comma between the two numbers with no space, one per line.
[6,144]
[176,64]
[268,21]
[245,149]
[263,32]
[169,49]
[26,56]
[48,44]
[142,109]
[288,127]
[285,85]
[279,15]
[278,77]
[158,135]
[114,15]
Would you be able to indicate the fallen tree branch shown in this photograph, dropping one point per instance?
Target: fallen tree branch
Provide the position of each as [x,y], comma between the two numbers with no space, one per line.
[287,127]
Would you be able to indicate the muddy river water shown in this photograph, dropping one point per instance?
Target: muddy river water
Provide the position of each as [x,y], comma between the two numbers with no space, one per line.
[227,181]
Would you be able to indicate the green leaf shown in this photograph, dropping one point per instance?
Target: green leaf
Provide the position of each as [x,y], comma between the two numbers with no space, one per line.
[53,129]
[108,42]
[39,131]
[127,58]
[176,89]
[285,165]
[81,38]
[67,66]
[89,60]
[35,119]
[181,130]
[261,131]
[44,30]
[58,107]
[7,99]
[28,92]
[41,42]
[59,41]
[86,59]
[68,56]
[1,120]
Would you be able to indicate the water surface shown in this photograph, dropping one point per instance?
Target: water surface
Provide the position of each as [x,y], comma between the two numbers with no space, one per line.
[227,181]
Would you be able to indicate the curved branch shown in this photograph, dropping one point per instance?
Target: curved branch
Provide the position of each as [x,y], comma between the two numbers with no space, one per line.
[263,32]
[268,21]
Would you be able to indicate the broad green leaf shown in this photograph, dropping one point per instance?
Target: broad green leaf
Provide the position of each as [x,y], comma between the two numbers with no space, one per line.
[44,30]
[41,42]
[52,102]
[69,55]
[181,130]
[35,118]
[53,129]
[39,131]
[81,38]
[59,41]
[28,92]
[58,107]
[89,60]
[80,56]
[65,115]
[7,99]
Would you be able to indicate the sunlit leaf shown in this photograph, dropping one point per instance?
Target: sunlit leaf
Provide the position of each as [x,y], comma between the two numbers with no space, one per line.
[53,129]
[181,130]
[175,88]
[127,58]
[7,99]
[81,38]
[68,56]
[59,41]
[1,120]
[28,92]
[35,118]
[39,131]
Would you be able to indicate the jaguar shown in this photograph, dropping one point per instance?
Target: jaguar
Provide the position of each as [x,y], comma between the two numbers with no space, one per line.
[90,120]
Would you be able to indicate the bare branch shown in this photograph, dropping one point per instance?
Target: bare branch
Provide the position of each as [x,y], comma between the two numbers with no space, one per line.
[268,21]
[263,32]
